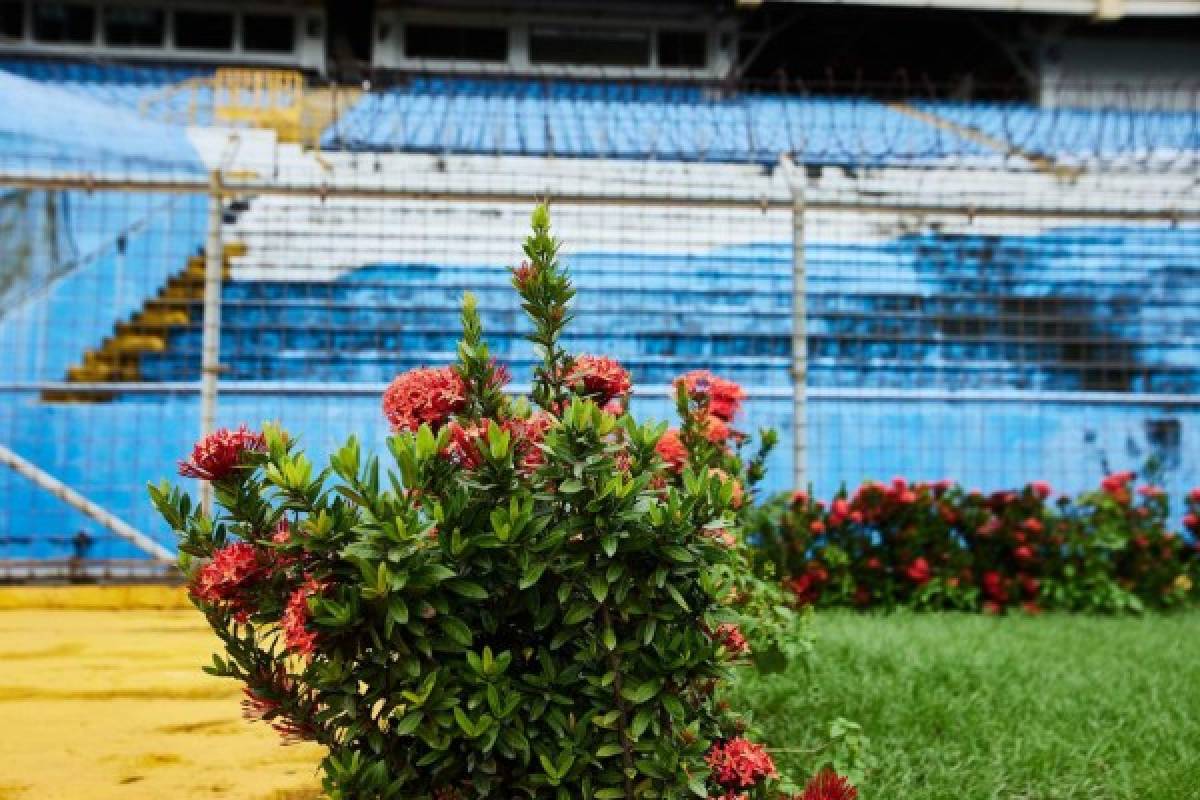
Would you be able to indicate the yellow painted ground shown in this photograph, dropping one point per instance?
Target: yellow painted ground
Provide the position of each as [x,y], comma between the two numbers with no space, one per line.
[112,704]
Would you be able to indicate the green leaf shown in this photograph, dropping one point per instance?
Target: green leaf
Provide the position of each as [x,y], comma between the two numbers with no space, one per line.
[456,629]
[468,589]
[677,553]
[532,574]
[599,586]
[464,722]
[409,723]
[609,543]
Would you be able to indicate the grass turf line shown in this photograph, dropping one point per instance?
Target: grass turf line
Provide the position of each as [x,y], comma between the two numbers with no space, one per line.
[964,706]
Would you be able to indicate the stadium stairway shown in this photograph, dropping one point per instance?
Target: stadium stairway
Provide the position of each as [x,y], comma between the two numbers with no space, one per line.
[118,357]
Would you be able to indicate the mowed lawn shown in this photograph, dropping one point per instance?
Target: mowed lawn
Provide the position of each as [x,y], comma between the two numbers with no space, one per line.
[112,704]
[964,707]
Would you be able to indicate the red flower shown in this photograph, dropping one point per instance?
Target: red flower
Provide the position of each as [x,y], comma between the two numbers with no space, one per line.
[1191,521]
[1033,525]
[807,587]
[724,398]
[463,448]
[715,429]
[816,527]
[799,498]
[219,453]
[670,448]
[993,587]
[522,274]
[425,396]
[731,638]
[1040,489]
[1150,491]
[1023,553]
[600,377]
[527,436]
[1194,495]
[828,785]
[739,763]
[296,635]
[1116,486]
[228,580]
[919,572]
[1030,586]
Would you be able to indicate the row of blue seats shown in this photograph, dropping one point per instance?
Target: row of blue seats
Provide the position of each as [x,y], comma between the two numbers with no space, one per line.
[1063,330]
[756,129]
[767,372]
[864,348]
[75,71]
[898,290]
[585,119]
[987,321]
[1062,133]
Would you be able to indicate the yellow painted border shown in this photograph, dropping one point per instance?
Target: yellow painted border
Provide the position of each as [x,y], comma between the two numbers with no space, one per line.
[94,598]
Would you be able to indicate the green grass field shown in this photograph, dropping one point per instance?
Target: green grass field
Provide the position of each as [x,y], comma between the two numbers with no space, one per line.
[963,707]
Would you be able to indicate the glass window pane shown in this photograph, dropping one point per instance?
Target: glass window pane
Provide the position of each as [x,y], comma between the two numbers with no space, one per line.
[73,23]
[455,42]
[682,49]
[132,26]
[268,33]
[12,19]
[589,46]
[203,30]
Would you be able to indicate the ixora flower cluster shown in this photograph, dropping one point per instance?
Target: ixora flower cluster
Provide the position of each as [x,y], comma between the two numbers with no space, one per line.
[935,545]
[545,600]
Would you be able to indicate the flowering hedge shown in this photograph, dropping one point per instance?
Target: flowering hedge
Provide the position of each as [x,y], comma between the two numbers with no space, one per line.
[545,600]
[936,545]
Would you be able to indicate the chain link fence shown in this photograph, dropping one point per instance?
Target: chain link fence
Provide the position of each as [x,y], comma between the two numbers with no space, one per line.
[959,296]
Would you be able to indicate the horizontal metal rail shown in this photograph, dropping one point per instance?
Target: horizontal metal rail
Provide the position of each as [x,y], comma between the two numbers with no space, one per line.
[313,388]
[886,204]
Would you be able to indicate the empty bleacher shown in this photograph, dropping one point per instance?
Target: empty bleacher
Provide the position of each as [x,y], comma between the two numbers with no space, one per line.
[688,123]
[335,295]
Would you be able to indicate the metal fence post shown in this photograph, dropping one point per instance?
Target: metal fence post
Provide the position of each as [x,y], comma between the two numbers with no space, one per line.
[795,180]
[214,269]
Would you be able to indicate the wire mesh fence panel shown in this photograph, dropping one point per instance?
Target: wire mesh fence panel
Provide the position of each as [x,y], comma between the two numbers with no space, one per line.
[93,280]
[1041,332]
[990,292]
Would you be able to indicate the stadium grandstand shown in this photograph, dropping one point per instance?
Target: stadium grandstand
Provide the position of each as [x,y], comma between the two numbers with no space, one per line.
[969,231]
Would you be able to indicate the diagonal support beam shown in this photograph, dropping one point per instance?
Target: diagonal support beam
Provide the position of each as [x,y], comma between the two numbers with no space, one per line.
[83,505]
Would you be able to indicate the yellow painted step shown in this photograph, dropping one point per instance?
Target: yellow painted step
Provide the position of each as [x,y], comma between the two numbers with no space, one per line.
[137,343]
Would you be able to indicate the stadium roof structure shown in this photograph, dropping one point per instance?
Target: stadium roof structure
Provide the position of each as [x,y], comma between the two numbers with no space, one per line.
[1101,9]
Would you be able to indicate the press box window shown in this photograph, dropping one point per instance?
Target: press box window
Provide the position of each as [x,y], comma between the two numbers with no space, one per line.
[72,23]
[128,26]
[682,49]
[268,33]
[590,47]
[455,43]
[12,19]
[203,30]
